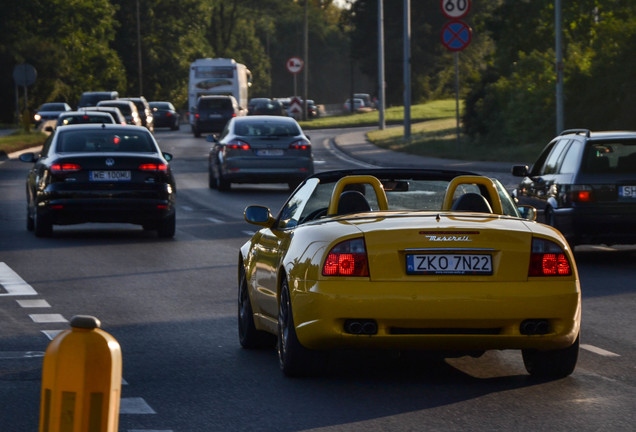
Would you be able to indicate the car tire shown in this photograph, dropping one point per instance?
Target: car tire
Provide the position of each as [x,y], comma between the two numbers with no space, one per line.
[30,223]
[221,183]
[293,358]
[197,133]
[175,127]
[42,225]
[551,364]
[249,336]
[211,179]
[167,227]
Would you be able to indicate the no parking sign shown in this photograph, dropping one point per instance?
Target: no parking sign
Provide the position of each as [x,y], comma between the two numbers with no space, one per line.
[456,35]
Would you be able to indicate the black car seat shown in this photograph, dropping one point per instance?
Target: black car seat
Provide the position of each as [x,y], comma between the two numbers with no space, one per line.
[472,202]
[352,202]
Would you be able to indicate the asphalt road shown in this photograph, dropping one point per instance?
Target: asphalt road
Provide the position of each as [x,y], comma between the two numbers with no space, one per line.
[171,304]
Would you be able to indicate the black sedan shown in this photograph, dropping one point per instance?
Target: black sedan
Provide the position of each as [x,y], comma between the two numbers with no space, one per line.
[584,184]
[100,173]
[260,149]
[165,114]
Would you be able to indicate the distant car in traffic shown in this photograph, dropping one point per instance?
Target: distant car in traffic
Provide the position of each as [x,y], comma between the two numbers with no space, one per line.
[268,107]
[91,98]
[83,117]
[312,109]
[260,149]
[584,184]
[212,113]
[252,102]
[144,111]
[100,173]
[357,104]
[113,111]
[127,108]
[165,114]
[50,111]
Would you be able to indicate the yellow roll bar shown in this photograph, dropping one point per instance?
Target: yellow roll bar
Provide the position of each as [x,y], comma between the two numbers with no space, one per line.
[477,180]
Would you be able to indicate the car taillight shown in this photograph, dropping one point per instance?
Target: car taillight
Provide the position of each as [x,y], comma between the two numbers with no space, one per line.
[237,145]
[348,258]
[300,145]
[581,193]
[154,167]
[65,167]
[548,259]
[196,116]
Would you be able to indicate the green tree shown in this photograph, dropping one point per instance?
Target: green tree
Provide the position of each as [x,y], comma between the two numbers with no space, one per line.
[513,100]
[68,44]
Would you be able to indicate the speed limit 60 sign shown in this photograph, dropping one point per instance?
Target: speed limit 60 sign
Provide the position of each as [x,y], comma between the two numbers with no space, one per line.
[455,9]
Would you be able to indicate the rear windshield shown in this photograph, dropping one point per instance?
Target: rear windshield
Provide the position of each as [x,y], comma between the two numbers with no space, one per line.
[610,157]
[266,128]
[82,141]
[124,108]
[84,118]
[215,104]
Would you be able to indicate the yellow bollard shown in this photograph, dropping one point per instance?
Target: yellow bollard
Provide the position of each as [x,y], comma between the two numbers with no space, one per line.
[81,380]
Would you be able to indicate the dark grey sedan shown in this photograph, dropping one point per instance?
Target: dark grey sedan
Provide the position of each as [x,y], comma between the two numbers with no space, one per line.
[260,149]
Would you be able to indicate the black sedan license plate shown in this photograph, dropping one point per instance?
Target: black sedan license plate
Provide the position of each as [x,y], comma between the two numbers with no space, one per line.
[110,175]
[458,264]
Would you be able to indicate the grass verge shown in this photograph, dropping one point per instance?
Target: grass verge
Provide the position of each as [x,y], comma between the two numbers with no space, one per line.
[20,140]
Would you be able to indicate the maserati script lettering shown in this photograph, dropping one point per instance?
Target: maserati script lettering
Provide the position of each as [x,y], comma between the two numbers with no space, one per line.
[437,238]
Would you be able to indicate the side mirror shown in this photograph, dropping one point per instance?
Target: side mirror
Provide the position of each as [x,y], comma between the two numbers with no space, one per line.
[28,157]
[527,212]
[520,170]
[258,215]
[167,156]
[211,138]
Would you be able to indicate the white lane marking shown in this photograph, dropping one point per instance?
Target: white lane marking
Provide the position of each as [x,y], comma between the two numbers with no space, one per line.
[134,405]
[211,219]
[20,354]
[334,150]
[599,351]
[47,318]
[249,233]
[186,208]
[33,303]
[51,334]
[13,283]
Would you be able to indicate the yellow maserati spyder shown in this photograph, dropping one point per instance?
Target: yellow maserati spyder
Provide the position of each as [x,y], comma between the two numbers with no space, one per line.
[407,260]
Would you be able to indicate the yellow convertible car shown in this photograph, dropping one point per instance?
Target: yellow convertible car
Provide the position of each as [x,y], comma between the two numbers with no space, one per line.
[399,259]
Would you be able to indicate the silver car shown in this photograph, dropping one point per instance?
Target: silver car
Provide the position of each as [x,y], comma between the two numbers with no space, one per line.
[260,149]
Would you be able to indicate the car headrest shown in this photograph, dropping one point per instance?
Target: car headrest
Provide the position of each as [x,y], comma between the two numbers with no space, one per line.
[352,202]
[472,202]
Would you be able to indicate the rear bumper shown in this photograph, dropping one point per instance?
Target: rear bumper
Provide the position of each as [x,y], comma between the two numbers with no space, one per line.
[437,316]
[267,171]
[609,225]
[137,207]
